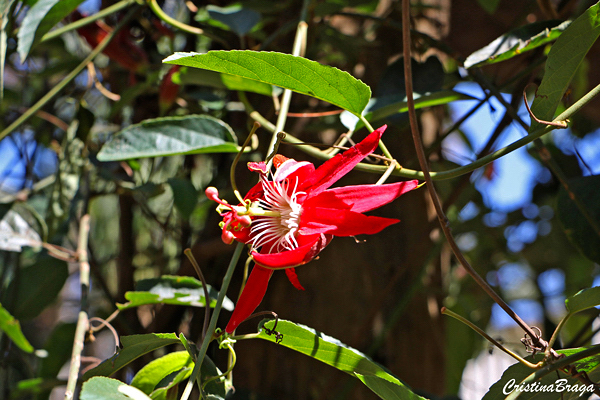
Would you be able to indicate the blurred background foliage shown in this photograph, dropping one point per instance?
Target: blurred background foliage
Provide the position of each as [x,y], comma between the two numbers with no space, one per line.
[384,296]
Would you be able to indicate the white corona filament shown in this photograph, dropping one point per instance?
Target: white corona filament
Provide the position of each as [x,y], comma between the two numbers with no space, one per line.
[279,231]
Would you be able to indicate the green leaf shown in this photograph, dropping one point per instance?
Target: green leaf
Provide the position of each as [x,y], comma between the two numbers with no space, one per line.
[383,107]
[489,6]
[564,59]
[238,19]
[133,347]
[40,18]
[101,388]
[155,371]
[185,196]
[517,41]
[336,354]
[218,388]
[576,226]
[160,375]
[168,136]
[176,290]
[518,372]
[38,386]
[170,381]
[203,77]
[584,299]
[12,328]
[37,286]
[284,70]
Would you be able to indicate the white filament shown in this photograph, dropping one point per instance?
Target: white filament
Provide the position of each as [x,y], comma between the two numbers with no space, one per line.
[279,230]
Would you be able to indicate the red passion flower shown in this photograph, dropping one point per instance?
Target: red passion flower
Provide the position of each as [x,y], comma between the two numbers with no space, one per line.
[290,215]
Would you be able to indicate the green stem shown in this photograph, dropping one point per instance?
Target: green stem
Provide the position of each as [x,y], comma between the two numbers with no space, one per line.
[87,20]
[557,330]
[172,21]
[213,321]
[453,173]
[488,338]
[297,50]
[382,146]
[72,75]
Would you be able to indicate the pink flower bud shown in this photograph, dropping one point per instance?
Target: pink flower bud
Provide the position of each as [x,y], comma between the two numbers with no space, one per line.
[212,193]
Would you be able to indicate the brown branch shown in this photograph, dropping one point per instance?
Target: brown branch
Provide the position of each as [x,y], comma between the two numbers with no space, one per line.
[432,192]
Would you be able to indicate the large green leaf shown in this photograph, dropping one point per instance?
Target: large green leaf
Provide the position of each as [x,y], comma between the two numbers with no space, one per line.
[514,374]
[564,59]
[286,71]
[133,347]
[155,371]
[584,299]
[101,388]
[576,226]
[516,42]
[383,107]
[12,328]
[195,76]
[336,354]
[37,286]
[175,290]
[168,136]
[40,18]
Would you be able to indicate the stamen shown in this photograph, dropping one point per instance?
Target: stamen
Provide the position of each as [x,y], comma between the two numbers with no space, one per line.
[278,231]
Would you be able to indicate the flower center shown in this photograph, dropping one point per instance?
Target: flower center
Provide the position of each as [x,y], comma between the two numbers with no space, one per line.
[278,231]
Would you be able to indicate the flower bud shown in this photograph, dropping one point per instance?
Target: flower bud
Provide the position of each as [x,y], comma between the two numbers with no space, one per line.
[212,193]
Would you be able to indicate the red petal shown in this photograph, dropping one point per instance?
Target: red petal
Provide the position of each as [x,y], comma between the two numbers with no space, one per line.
[260,167]
[287,259]
[256,192]
[301,170]
[361,198]
[341,222]
[252,295]
[291,274]
[332,170]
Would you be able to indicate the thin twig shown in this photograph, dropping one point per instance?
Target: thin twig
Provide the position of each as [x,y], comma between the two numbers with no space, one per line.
[82,322]
[558,124]
[190,256]
[471,325]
